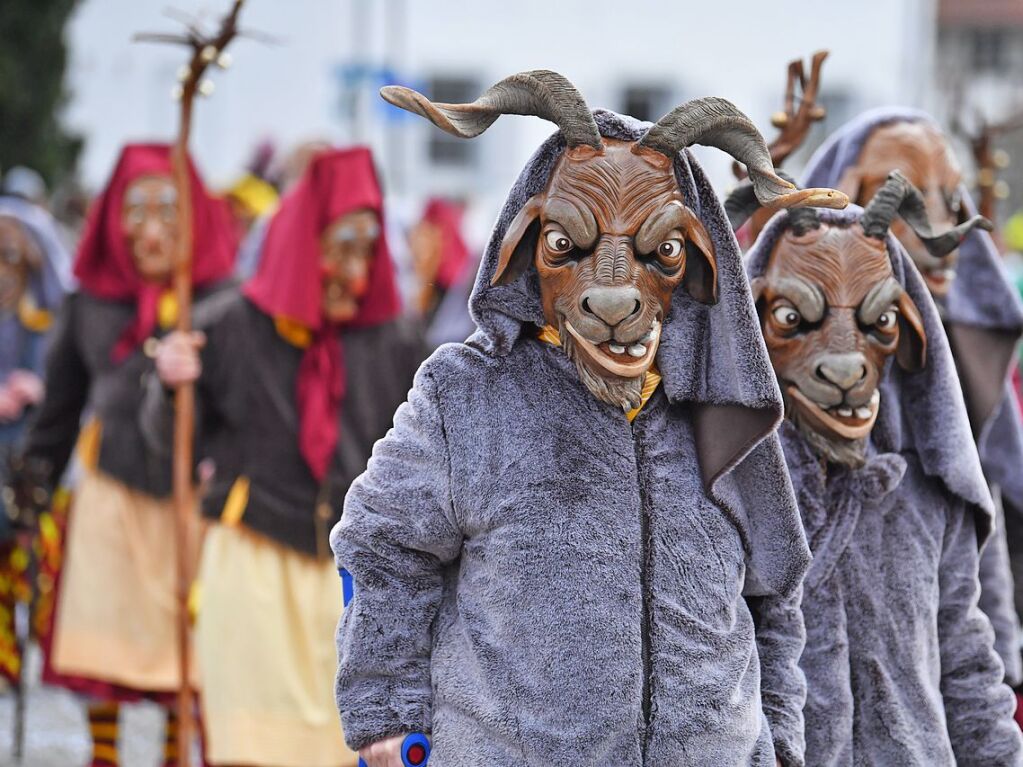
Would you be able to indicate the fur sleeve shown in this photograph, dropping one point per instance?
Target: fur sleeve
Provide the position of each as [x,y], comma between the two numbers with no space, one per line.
[781,637]
[396,536]
[978,706]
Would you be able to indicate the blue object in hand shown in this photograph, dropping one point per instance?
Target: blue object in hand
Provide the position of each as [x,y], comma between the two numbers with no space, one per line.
[415,749]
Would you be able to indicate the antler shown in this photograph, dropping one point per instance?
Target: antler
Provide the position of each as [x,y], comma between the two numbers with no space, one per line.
[899,197]
[793,121]
[540,93]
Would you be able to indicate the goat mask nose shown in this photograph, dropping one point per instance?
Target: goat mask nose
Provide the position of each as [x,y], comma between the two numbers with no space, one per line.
[611,305]
[842,370]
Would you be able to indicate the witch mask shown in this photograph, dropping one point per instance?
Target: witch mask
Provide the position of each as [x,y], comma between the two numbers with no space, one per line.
[150,222]
[348,246]
[611,236]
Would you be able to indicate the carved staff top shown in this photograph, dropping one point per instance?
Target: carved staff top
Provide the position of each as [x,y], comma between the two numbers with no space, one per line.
[987,159]
[795,121]
[205,50]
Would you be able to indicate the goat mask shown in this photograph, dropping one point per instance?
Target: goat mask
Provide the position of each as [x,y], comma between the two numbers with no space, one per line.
[921,152]
[832,313]
[610,236]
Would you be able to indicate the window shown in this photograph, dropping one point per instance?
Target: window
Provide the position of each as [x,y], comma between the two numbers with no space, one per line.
[989,49]
[445,149]
[645,102]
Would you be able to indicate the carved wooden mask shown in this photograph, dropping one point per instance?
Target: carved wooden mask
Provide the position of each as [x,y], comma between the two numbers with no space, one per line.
[149,216]
[347,249]
[611,240]
[923,155]
[832,313]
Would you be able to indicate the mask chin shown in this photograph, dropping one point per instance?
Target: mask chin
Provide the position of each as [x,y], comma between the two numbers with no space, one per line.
[154,268]
[833,449]
[340,308]
[624,393]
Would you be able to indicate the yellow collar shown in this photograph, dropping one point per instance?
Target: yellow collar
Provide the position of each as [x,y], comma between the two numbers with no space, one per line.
[651,379]
[293,331]
[167,309]
[33,318]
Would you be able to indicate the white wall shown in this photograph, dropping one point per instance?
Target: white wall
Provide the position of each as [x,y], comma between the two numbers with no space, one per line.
[882,52]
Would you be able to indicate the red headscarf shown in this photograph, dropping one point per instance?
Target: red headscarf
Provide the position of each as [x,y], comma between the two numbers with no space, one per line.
[104,266]
[287,285]
[454,253]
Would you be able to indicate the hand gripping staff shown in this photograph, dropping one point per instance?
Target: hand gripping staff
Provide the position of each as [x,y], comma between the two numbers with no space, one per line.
[415,749]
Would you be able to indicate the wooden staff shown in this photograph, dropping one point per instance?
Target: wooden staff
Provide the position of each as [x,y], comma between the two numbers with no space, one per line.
[205,50]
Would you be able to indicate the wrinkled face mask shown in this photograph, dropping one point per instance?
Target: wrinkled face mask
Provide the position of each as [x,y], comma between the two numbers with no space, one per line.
[150,221]
[832,314]
[610,236]
[923,155]
[611,240]
[19,258]
[347,246]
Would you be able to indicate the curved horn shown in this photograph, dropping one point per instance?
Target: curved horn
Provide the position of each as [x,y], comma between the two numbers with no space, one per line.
[540,93]
[719,123]
[899,197]
[742,203]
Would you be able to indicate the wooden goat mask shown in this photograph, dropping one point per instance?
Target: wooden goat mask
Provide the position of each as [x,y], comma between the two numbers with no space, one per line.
[923,154]
[832,313]
[611,236]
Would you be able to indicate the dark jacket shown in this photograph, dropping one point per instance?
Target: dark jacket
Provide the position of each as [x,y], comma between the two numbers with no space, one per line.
[899,660]
[540,582]
[248,421]
[80,377]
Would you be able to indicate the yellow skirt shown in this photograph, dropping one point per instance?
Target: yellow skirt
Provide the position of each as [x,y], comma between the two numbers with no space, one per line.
[116,613]
[265,645]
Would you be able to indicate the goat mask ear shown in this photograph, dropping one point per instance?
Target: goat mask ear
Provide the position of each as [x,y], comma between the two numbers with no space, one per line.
[701,277]
[519,243]
[911,353]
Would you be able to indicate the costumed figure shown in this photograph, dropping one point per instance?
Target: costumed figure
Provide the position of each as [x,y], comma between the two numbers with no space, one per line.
[34,276]
[446,270]
[439,254]
[253,197]
[982,315]
[113,637]
[579,544]
[899,660]
[297,377]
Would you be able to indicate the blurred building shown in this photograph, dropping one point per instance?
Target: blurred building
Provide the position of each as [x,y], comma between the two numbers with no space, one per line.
[320,80]
[979,67]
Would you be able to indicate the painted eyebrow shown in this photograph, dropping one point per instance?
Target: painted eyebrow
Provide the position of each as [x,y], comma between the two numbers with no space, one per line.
[878,300]
[578,223]
[807,298]
[168,195]
[658,224]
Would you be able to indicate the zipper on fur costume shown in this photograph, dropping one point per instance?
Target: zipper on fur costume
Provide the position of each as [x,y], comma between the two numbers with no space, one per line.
[645,553]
